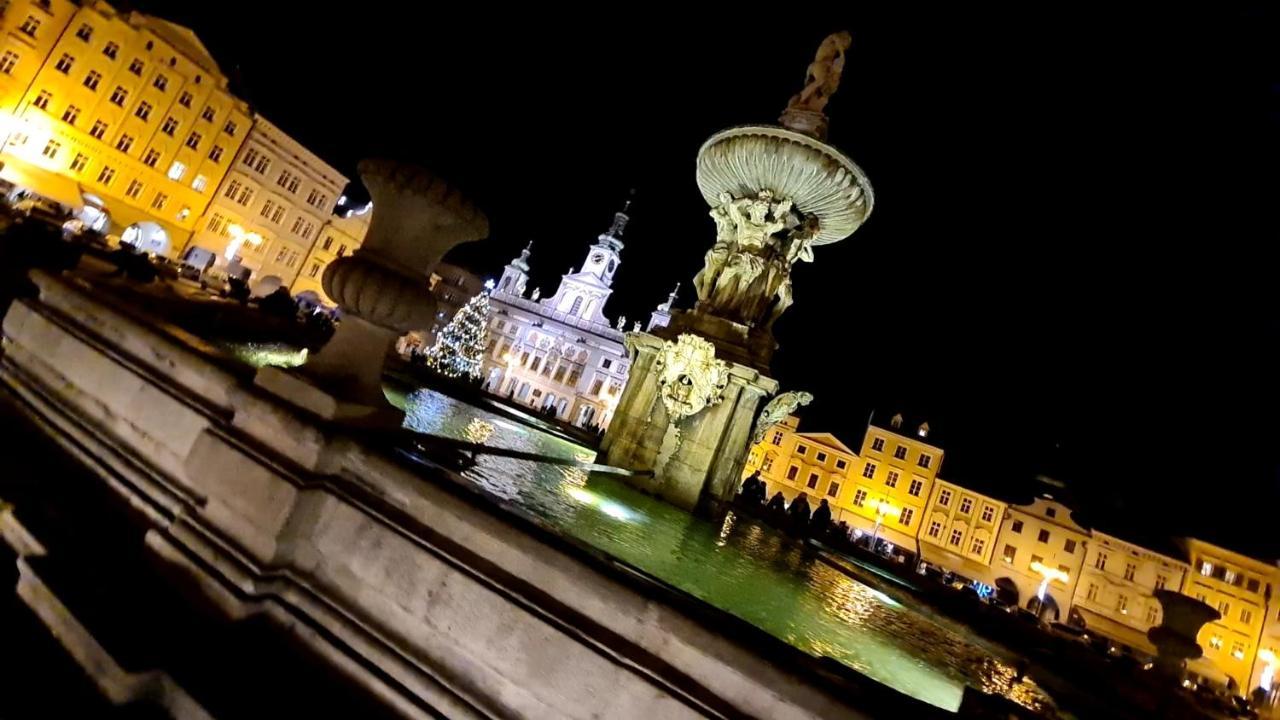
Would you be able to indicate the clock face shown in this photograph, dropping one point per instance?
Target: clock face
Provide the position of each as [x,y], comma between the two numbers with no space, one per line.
[597,258]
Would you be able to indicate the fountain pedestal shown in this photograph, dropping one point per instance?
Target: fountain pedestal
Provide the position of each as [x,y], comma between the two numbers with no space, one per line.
[1175,636]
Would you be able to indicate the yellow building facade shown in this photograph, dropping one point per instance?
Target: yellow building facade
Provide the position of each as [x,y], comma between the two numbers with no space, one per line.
[1240,588]
[1040,540]
[893,482]
[340,236]
[1118,579]
[959,530]
[792,462]
[126,113]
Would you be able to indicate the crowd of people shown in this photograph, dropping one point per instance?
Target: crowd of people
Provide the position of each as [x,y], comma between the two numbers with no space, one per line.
[797,518]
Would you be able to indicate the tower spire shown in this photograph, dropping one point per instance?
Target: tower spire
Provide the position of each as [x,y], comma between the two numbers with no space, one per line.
[620,220]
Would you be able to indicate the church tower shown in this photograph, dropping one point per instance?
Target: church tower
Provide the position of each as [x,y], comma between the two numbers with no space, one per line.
[516,274]
[584,293]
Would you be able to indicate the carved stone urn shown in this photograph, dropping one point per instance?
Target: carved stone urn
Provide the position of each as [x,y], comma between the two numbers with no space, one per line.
[1175,637]
[382,287]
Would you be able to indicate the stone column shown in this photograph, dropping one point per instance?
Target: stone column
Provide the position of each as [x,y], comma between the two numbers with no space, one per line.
[382,287]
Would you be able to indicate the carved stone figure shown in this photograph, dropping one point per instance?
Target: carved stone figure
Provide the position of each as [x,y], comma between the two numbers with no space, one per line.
[622,322]
[537,293]
[689,376]
[823,76]
[777,410]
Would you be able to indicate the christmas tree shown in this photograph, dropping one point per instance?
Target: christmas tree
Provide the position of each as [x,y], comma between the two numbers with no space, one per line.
[461,344]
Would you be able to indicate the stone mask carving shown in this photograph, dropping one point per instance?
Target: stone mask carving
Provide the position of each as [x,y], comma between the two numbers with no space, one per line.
[689,376]
[777,409]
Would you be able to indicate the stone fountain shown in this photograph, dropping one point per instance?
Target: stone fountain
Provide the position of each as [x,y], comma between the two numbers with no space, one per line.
[776,193]
[381,289]
[1175,636]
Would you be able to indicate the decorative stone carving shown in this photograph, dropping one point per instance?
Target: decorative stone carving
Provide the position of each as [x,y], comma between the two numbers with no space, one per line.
[804,112]
[382,287]
[776,410]
[689,376]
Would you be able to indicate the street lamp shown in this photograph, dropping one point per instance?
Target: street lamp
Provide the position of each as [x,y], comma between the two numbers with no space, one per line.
[883,508]
[238,238]
[1269,670]
[1049,574]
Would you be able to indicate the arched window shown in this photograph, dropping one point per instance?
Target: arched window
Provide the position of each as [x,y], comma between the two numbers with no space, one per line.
[506,283]
[577,305]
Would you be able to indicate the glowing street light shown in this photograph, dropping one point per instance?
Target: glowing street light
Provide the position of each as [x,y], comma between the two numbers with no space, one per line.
[883,509]
[238,238]
[1049,574]
[1267,656]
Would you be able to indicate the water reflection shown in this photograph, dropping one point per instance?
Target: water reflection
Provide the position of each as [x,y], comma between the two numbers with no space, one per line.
[738,565]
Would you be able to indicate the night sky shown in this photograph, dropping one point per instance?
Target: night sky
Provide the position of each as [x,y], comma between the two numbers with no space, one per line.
[1069,267]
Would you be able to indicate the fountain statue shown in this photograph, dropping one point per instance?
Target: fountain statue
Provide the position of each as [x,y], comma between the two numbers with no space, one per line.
[1175,636]
[777,410]
[775,193]
[381,289]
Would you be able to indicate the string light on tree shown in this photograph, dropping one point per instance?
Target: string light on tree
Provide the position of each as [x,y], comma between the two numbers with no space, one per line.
[461,345]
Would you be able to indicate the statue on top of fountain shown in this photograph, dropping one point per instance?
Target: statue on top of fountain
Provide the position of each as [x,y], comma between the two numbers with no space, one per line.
[746,276]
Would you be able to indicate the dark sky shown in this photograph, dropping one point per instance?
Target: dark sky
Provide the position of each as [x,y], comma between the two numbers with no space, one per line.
[1069,266]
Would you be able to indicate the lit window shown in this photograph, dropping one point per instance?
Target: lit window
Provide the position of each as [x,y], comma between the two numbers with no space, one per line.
[42,100]
[70,115]
[1035,560]
[1122,604]
[1246,615]
[177,170]
[860,497]
[944,498]
[106,175]
[29,26]
[1153,615]
[92,79]
[989,514]
[1229,576]
[1237,649]
[85,32]
[135,190]
[977,546]
[158,202]
[917,486]
[1010,552]
[900,452]
[111,50]
[966,505]
[151,158]
[124,142]
[1161,581]
[904,517]
[51,149]
[64,64]
[1206,568]
[1224,608]
[143,111]
[877,444]
[813,480]
[184,213]
[868,470]
[79,162]
[199,183]
[8,62]
[1215,642]
[891,479]
[765,466]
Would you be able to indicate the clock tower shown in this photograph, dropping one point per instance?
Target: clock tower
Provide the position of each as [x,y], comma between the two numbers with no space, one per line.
[583,294]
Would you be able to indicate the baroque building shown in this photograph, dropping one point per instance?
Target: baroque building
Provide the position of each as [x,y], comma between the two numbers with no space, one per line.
[122,118]
[341,235]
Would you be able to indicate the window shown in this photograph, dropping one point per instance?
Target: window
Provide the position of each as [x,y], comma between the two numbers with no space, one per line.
[79,162]
[1010,552]
[92,80]
[64,64]
[233,187]
[802,449]
[891,479]
[199,183]
[860,497]
[1201,597]
[98,130]
[230,128]
[278,215]
[924,461]
[1215,642]
[917,486]
[215,153]
[143,110]
[989,514]
[170,125]
[1252,585]
[1035,560]
[310,228]
[904,517]
[317,198]
[1069,546]
[246,196]
[1016,527]
[1224,608]
[8,62]
[70,115]
[297,225]
[151,158]
[135,189]
[193,141]
[977,546]
[328,243]
[1237,649]
[267,207]
[1230,577]
[1153,615]
[841,464]
[868,470]
[207,113]
[792,472]
[777,436]
[106,175]
[820,457]
[135,67]
[935,529]
[1129,570]
[1051,512]
[944,498]
[1043,536]
[1206,568]
[1161,582]
[1246,615]
[177,170]
[956,536]
[1122,604]
[85,32]
[1092,593]
[342,250]
[765,466]
[51,149]
[42,100]
[158,202]
[877,444]
[124,142]
[606,363]
[966,505]
[111,50]
[315,270]
[813,480]
[900,452]
[185,99]
[1100,562]
[160,82]
[29,26]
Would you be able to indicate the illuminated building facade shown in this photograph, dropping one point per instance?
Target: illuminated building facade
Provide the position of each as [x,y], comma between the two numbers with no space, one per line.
[1041,549]
[792,462]
[123,113]
[892,482]
[1240,588]
[959,531]
[451,287]
[341,235]
[559,354]
[271,208]
[1117,580]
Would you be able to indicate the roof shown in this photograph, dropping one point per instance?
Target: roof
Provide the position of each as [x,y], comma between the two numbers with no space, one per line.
[831,441]
[184,40]
[909,428]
